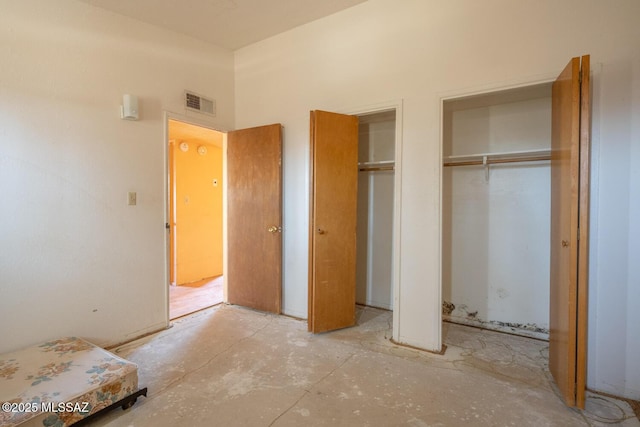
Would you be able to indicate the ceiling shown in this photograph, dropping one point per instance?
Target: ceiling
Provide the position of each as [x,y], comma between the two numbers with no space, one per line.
[231,24]
[196,135]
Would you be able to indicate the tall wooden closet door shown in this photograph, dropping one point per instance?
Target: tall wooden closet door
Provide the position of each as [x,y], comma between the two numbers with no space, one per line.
[254,220]
[332,225]
[569,230]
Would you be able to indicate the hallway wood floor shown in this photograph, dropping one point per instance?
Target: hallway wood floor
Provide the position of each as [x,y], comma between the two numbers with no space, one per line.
[192,297]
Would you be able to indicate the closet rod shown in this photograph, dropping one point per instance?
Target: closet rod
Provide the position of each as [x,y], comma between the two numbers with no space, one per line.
[378,163]
[382,165]
[520,153]
[376,168]
[494,161]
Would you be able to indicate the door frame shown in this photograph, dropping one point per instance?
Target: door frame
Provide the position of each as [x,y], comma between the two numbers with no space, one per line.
[393,105]
[200,122]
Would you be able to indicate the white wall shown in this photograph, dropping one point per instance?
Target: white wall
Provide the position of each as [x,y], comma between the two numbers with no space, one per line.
[74,258]
[614,341]
[420,51]
[496,229]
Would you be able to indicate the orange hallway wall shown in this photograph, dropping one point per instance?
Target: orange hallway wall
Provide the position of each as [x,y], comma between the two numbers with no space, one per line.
[198,212]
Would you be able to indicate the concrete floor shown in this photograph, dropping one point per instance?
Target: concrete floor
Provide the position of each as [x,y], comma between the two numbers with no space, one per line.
[229,366]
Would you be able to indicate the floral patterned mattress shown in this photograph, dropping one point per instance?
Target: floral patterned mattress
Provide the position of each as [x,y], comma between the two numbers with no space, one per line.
[60,382]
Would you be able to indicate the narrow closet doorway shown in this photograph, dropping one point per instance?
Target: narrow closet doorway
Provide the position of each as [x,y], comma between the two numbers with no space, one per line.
[195,217]
[353,221]
[496,210]
[375,212]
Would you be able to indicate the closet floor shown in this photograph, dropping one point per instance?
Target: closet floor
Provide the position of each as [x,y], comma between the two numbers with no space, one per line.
[232,366]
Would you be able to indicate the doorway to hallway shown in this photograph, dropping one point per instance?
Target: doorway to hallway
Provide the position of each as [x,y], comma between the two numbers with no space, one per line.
[224,213]
[195,172]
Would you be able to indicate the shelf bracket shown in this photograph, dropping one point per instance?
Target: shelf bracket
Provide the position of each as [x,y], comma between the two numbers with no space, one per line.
[486,168]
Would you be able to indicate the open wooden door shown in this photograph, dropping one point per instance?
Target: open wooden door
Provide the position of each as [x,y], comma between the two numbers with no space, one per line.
[254,218]
[332,225]
[571,125]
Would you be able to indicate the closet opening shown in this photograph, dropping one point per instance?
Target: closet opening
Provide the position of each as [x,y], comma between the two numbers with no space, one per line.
[354,217]
[375,209]
[496,197]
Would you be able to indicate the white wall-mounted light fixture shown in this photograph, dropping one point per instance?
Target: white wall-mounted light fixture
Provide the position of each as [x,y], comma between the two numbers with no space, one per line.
[129,107]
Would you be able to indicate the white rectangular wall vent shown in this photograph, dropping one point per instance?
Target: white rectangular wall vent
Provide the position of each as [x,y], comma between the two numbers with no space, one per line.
[195,102]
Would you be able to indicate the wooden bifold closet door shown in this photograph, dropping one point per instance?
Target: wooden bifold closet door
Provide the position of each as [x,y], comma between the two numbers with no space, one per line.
[571,124]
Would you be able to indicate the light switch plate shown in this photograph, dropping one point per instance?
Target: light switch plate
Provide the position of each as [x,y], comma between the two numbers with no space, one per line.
[132,198]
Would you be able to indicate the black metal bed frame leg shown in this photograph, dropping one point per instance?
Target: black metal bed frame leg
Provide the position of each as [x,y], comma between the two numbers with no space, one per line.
[126,403]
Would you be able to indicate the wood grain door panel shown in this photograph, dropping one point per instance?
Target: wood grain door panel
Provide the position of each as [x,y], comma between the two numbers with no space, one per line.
[332,234]
[254,218]
[569,206]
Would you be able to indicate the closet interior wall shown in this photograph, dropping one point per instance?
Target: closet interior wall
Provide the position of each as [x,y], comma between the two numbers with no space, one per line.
[374,256]
[496,218]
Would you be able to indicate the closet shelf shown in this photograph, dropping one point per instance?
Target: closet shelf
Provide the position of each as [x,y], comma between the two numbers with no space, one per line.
[485,159]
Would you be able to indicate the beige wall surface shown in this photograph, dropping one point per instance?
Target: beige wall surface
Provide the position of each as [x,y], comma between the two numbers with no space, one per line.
[75,258]
[421,51]
[198,211]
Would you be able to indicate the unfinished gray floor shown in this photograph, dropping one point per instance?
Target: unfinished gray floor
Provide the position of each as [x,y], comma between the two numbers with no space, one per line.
[229,366]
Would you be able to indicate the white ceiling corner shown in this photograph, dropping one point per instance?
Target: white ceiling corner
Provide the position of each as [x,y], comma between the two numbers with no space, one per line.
[230,24]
